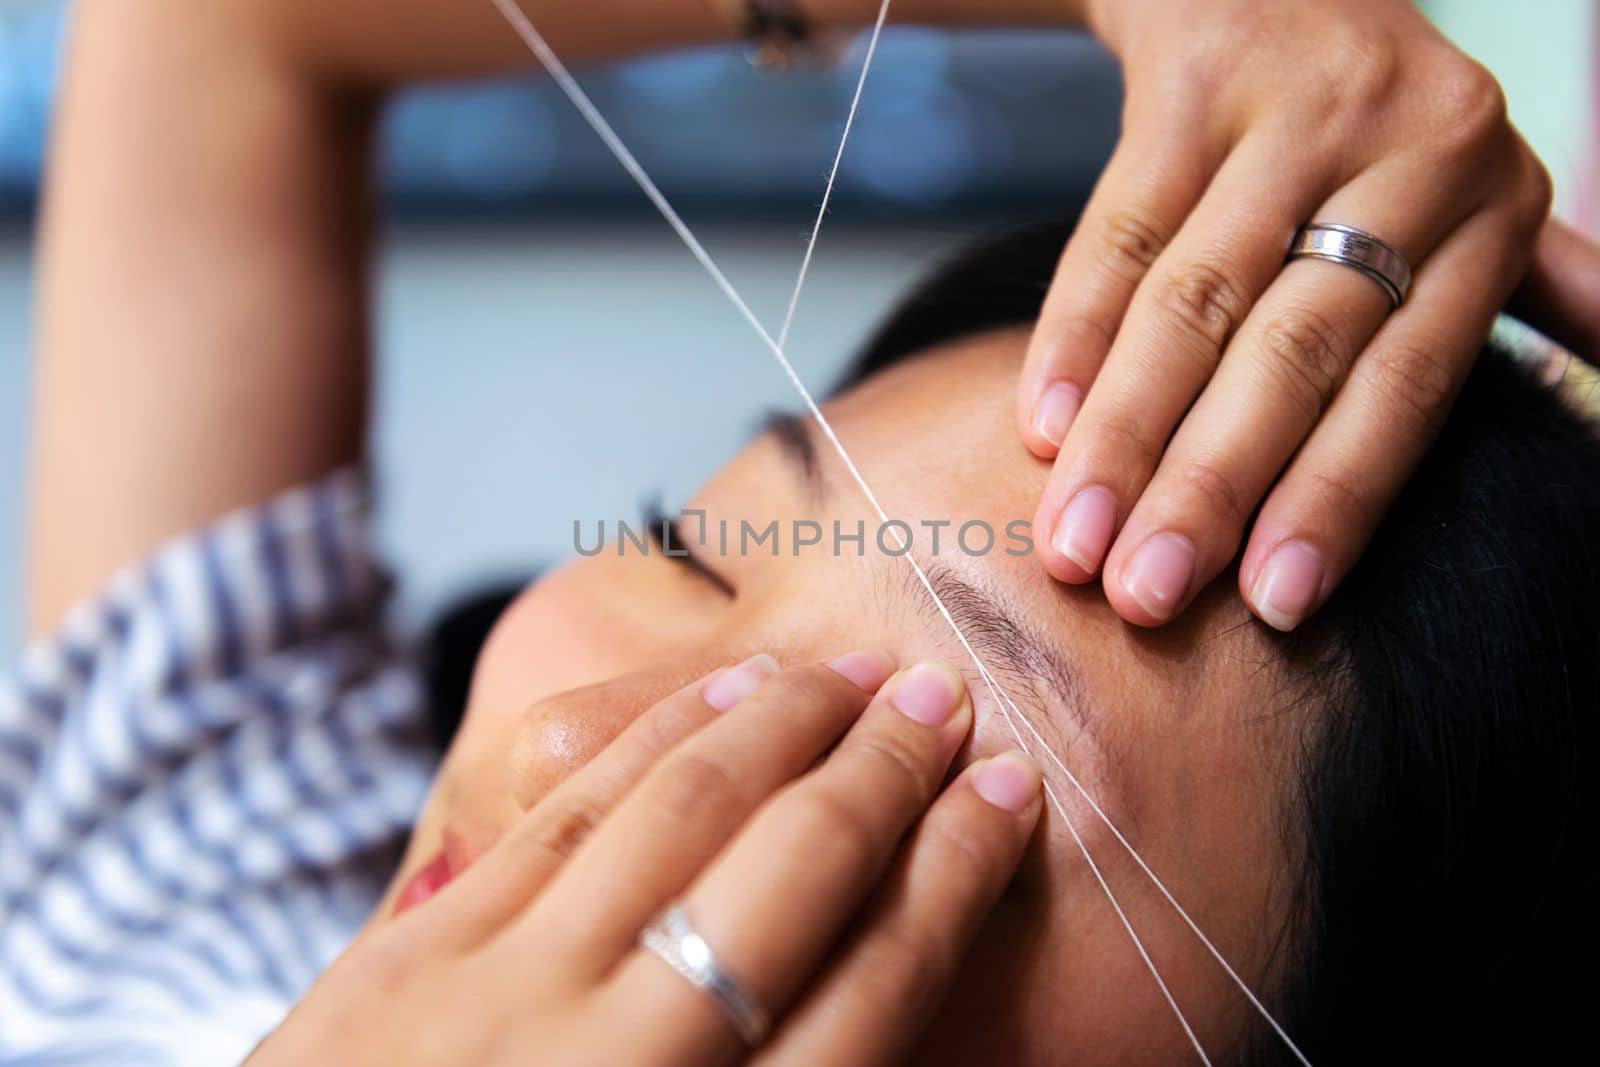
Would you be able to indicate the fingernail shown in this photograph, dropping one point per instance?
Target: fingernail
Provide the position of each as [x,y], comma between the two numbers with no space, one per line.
[1158,575]
[1288,584]
[1083,533]
[929,693]
[736,683]
[1009,781]
[1057,407]
[868,670]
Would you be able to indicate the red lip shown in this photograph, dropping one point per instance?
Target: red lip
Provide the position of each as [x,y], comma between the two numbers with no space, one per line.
[458,850]
[434,876]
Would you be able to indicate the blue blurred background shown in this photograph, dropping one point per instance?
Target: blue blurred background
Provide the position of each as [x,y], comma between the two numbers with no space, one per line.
[948,128]
[527,297]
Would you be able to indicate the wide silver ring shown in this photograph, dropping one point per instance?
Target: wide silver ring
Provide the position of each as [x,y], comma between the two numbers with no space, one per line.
[1372,256]
[670,936]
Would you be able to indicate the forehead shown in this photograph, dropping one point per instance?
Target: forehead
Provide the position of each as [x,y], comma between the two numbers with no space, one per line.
[935,437]
[941,424]
[1190,752]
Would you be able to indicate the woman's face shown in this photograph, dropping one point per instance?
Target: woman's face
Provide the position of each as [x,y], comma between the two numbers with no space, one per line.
[1180,735]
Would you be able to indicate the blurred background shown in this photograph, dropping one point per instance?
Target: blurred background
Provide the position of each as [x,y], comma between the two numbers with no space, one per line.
[529,298]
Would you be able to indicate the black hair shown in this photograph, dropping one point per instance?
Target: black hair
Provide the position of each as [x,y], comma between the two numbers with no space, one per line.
[1442,805]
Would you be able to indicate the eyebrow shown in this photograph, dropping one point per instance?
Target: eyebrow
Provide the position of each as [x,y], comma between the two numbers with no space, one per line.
[1014,653]
[792,432]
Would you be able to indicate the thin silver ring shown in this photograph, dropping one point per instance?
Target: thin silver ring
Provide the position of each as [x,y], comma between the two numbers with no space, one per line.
[1372,256]
[670,936]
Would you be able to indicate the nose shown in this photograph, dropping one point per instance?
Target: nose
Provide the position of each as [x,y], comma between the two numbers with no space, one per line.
[558,735]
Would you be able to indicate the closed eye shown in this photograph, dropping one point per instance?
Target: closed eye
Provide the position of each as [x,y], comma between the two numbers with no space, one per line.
[666,534]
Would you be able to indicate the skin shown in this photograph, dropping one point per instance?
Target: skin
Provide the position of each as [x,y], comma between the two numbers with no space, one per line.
[152,185]
[1199,396]
[1174,746]
[202,337]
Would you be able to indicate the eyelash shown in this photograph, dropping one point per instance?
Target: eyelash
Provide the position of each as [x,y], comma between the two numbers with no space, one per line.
[664,528]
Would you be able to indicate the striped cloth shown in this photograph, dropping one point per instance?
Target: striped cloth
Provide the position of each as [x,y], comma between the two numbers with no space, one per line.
[205,780]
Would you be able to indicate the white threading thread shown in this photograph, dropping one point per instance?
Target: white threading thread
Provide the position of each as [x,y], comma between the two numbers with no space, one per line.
[1216,953]
[580,100]
[1000,695]
[1127,924]
[833,175]
[563,78]
[1007,706]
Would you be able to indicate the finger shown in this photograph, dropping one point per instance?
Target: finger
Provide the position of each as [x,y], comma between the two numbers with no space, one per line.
[1181,317]
[688,806]
[882,989]
[1152,181]
[1275,381]
[1151,383]
[502,882]
[1323,511]
[1560,295]
[772,906]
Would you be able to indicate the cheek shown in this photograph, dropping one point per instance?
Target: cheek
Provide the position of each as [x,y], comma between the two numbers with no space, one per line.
[553,685]
[565,631]
[1052,968]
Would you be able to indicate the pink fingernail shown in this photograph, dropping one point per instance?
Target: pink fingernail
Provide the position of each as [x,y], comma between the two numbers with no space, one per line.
[928,693]
[1010,781]
[868,670]
[1057,407]
[1159,574]
[736,683]
[1288,585]
[1083,533]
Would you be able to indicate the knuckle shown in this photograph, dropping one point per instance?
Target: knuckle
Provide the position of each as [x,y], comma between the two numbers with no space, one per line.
[384,966]
[1219,493]
[1339,496]
[902,960]
[667,724]
[1207,56]
[693,788]
[1469,105]
[1126,440]
[570,824]
[1308,356]
[972,848]
[826,820]
[1376,63]
[1537,190]
[894,762]
[1202,302]
[1351,77]
[806,687]
[1363,66]
[1414,382]
[1082,333]
[1128,241]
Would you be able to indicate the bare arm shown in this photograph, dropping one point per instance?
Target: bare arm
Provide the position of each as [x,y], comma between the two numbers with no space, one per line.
[202,309]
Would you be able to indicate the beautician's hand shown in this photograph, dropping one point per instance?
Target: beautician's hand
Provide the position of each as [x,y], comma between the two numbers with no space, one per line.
[1560,294]
[533,954]
[1214,379]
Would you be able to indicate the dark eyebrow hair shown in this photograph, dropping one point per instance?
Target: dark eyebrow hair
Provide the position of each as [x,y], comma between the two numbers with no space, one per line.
[1017,656]
[793,433]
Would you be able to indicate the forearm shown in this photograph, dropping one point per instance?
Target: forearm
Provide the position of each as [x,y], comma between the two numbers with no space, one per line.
[376,43]
[202,300]
[200,325]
